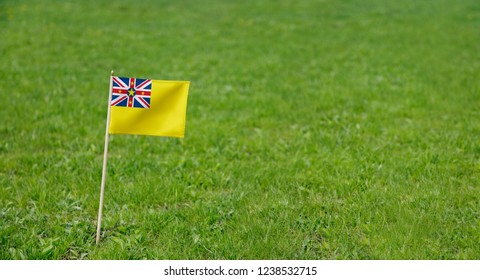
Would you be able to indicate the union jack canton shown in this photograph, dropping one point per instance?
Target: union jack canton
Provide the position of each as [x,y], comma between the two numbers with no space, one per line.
[131,92]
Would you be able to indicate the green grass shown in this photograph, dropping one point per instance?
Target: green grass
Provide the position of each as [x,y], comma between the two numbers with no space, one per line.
[315,130]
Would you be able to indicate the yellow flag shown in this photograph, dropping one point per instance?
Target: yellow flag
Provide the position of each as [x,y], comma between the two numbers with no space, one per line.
[148,107]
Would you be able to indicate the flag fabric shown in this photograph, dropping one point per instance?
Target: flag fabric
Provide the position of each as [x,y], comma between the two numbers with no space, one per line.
[148,107]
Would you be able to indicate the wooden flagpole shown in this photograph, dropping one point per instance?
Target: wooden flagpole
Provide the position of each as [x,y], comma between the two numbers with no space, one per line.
[104,169]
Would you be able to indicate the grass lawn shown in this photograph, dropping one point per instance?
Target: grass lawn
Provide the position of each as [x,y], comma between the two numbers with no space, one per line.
[315,130]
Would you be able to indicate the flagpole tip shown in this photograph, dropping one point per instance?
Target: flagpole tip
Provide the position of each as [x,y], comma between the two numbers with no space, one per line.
[111,73]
